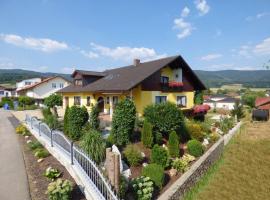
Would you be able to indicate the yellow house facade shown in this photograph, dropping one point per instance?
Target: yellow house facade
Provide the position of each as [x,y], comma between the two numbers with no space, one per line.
[168,79]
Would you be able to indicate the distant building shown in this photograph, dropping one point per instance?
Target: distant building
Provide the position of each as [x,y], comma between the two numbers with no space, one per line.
[27,83]
[44,88]
[6,92]
[220,101]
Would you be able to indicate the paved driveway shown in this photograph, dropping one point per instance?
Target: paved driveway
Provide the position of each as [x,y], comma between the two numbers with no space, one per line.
[13,178]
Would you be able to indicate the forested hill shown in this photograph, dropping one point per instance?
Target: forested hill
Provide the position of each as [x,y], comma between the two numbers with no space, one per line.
[258,78]
[11,76]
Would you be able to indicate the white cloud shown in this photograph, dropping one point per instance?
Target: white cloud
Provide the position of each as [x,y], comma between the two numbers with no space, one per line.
[202,6]
[89,54]
[211,57]
[263,48]
[185,12]
[42,44]
[126,53]
[263,14]
[184,27]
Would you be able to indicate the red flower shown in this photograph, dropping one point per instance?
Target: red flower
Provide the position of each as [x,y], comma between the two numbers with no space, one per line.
[175,84]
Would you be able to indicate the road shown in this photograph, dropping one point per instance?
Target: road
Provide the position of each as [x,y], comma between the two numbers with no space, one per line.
[13,178]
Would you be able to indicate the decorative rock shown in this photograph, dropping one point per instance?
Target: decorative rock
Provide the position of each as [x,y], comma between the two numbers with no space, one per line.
[143,154]
[205,142]
[172,172]
[28,141]
[144,164]
[26,137]
[126,173]
[40,160]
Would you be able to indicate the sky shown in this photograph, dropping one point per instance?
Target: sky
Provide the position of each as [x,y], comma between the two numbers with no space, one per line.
[63,35]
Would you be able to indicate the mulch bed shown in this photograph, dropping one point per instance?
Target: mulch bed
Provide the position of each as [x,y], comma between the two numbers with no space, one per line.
[37,182]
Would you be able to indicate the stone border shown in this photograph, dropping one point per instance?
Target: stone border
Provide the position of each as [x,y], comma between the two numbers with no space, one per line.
[198,169]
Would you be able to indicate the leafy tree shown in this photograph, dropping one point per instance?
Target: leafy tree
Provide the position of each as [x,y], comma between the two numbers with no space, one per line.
[238,111]
[198,99]
[165,117]
[147,137]
[77,118]
[123,121]
[66,116]
[94,120]
[52,101]
[173,144]
[94,145]
[249,98]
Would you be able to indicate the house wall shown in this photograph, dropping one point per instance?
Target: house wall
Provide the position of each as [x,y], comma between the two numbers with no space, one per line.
[45,89]
[227,106]
[22,84]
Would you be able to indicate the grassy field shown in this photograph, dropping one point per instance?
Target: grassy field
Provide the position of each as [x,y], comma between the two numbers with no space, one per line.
[244,170]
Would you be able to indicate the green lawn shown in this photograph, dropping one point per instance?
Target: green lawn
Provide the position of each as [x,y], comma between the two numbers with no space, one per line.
[243,172]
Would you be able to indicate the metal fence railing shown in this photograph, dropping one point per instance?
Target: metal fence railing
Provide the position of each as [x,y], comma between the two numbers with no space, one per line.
[87,167]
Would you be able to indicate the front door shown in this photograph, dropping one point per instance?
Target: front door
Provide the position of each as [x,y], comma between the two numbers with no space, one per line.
[101,104]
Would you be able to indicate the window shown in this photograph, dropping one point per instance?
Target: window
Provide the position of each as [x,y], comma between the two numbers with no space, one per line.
[108,100]
[53,85]
[161,99]
[78,82]
[1,92]
[115,100]
[27,83]
[77,100]
[61,85]
[88,101]
[181,101]
[164,79]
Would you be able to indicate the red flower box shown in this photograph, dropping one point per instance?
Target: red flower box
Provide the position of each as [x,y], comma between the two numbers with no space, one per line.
[175,84]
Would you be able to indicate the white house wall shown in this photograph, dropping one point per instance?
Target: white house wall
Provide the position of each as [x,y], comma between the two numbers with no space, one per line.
[227,106]
[21,84]
[45,89]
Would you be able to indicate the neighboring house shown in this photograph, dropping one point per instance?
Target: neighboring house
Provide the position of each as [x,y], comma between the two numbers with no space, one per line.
[6,92]
[44,88]
[27,83]
[267,93]
[168,79]
[262,103]
[220,101]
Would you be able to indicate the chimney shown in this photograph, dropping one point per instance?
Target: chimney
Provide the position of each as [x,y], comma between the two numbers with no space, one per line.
[136,62]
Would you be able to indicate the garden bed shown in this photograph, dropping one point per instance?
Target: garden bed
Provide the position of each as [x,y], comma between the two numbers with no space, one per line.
[38,183]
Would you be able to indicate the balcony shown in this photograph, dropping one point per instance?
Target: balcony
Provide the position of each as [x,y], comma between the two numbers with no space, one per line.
[172,86]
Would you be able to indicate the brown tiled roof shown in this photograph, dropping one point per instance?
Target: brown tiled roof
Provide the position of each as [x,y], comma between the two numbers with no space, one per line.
[125,78]
[90,73]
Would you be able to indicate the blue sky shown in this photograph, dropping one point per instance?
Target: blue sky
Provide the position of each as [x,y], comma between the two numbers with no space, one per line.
[60,35]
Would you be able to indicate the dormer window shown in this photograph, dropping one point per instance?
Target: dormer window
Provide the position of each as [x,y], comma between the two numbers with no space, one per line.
[78,82]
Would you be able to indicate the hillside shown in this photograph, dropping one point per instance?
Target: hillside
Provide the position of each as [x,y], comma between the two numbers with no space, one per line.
[258,78]
[11,76]
[254,79]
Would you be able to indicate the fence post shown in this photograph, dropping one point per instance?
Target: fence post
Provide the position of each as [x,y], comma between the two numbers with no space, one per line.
[71,152]
[51,137]
[39,132]
[31,122]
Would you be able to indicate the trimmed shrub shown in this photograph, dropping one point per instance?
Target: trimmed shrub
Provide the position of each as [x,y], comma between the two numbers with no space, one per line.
[195,131]
[66,117]
[21,129]
[226,124]
[158,138]
[133,155]
[146,135]
[41,153]
[25,100]
[46,112]
[155,172]
[94,145]
[143,188]
[180,165]
[34,145]
[123,121]
[195,148]
[59,189]
[52,173]
[214,137]
[159,155]
[173,144]
[52,122]
[94,120]
[77,118]
[165,117]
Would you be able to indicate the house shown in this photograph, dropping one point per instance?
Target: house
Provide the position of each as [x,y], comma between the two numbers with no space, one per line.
[167,79]
[6,92]
[262,103]
[220,101]
[42,89]
[27,83]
